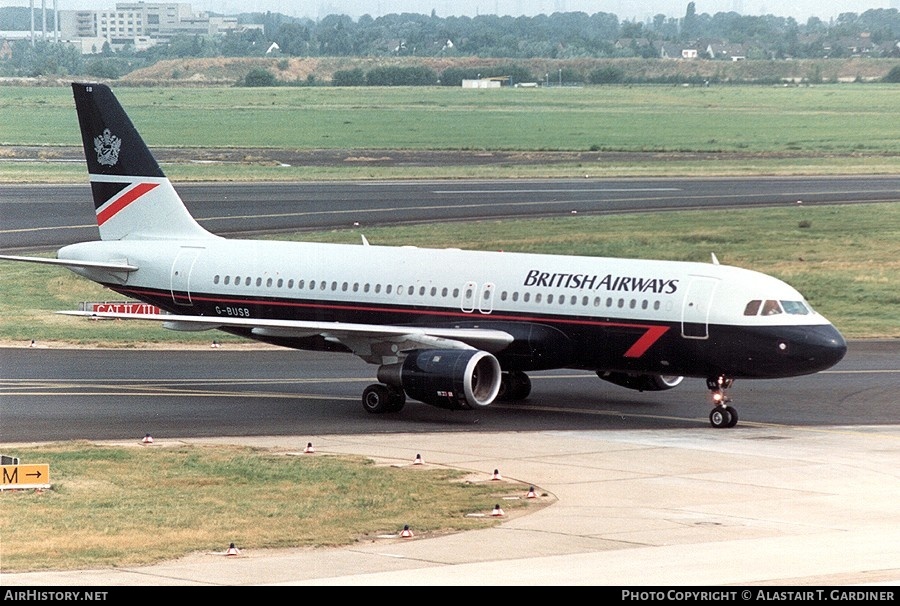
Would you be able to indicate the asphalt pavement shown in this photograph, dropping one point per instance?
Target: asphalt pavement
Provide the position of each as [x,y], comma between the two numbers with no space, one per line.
[755,506]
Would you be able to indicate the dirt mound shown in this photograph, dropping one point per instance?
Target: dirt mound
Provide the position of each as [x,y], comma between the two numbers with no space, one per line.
[232,70]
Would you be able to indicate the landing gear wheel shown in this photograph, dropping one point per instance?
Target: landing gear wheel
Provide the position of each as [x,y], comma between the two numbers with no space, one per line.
[720,417]
[397,399]
[514,385]
[732,411]
[722,414]
[378,399]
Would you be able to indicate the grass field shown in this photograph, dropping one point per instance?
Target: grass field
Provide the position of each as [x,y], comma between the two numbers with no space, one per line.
[827,128]
[107,509]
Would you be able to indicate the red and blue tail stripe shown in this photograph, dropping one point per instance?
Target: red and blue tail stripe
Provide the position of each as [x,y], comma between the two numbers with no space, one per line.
[113,197]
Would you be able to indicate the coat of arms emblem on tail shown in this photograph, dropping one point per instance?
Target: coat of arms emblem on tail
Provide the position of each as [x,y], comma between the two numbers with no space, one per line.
[107,147]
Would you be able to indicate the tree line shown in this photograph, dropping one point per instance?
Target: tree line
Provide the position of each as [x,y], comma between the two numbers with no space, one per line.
[567,35]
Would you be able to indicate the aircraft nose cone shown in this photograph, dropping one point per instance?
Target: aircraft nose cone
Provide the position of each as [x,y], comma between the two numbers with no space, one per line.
[835,346]
[817,349]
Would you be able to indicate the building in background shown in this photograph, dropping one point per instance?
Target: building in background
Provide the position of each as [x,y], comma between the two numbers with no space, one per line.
[138,24]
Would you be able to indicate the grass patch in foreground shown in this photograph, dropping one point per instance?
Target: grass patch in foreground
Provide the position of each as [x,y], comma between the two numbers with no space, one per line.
[128,506]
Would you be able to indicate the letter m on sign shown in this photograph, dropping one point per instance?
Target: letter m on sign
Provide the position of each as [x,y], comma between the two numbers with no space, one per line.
[10,478]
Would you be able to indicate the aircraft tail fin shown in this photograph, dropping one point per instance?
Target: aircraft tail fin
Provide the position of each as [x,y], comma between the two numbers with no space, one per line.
[133,198]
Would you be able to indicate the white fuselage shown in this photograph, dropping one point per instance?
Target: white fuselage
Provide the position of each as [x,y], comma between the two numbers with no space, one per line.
[474,284]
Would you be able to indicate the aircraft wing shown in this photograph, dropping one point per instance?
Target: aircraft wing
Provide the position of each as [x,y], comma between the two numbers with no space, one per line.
[374,343]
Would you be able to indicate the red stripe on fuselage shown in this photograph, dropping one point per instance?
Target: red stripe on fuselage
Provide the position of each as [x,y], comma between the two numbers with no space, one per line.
[127,197]
[647,339]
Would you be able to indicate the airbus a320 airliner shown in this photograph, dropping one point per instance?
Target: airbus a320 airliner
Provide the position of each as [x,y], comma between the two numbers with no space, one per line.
[456,329]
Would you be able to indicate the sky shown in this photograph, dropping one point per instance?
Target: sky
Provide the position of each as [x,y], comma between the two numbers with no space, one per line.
[632,10]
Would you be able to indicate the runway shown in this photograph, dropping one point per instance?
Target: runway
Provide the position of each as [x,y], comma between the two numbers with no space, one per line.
[72,394]
[40,217]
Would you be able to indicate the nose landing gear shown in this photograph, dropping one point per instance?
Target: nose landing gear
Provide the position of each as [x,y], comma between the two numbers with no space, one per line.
[722,414]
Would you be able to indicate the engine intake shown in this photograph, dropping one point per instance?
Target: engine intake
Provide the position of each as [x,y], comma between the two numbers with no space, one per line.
[640,382]
[455,379]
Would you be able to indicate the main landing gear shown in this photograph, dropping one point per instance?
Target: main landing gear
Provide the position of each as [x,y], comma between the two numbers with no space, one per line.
[378,398]
[722,414]
[514,386]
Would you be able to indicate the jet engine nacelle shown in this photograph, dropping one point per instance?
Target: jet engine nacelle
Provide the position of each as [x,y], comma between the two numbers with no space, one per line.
[640,382]
[456,379]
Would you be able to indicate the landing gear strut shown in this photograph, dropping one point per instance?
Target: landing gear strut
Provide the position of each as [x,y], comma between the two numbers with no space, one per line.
[722,414]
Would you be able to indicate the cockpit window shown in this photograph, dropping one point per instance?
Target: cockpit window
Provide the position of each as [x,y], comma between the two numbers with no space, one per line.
[752,307]
[771,307]
[798,308]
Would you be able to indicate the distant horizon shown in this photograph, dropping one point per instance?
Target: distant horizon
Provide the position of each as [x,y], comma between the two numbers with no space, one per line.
[625,10]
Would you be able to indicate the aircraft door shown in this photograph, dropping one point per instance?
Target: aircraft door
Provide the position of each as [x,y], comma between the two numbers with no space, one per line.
[467,300]
[486,300]
[696,307]
[181,275]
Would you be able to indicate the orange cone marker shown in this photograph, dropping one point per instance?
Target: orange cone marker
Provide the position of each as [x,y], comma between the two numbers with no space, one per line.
[496,475]
[309,448]
[418,460]
[148,439]
[232,550]
[406,533]
[531,494]
[497,511]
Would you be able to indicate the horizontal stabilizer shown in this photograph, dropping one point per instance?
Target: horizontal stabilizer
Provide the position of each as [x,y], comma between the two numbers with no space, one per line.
[72,263]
